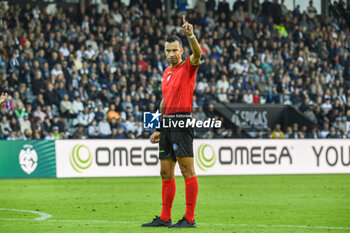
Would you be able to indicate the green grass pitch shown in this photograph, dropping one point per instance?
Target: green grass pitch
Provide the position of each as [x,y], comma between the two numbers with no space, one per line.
[286,203]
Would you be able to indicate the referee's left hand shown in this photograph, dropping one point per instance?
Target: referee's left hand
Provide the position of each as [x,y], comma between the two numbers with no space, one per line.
[186,27]
[155,137]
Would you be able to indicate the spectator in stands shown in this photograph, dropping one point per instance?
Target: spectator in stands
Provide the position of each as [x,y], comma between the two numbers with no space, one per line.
[277,133]
[39,113]
[99,114]
[130,125]
[120,134]
[16,99]
[93,130]
[260,135]
[256,97]
[84,118]
[66,107]
[248,96]
[310,114]
[5,127]
[332,133]
[12,136]
[208,134]
[296,133]
[56,135]
[79,133]
[25,123]
[112,113]
[239,14]
[311,10]
[181,6]
[199,114]
[104,128]
[313,133]
[96,57]
[78,106]
[239,132]
[39,101]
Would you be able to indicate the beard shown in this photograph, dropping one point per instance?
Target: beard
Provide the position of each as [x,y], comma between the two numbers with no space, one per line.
[173,60]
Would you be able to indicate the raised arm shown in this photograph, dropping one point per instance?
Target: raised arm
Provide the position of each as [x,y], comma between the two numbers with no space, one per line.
[196,49]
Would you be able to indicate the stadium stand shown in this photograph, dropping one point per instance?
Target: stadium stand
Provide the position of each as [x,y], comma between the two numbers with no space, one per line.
[91,72]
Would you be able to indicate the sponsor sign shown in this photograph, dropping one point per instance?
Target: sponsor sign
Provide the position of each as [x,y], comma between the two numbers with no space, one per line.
[259,117]
[118,158]
[248,157]
[250,119]
[27,159]
[106,158]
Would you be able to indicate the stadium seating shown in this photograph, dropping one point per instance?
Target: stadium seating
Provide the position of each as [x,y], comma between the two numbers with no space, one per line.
[82,73]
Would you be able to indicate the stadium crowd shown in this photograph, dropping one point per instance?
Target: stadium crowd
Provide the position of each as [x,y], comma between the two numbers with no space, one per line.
[92,73]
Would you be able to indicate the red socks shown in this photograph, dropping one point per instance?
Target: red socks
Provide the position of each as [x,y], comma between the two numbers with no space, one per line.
[191,187]
[168,195]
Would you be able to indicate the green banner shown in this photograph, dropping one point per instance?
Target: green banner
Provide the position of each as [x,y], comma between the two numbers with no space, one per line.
[27,159]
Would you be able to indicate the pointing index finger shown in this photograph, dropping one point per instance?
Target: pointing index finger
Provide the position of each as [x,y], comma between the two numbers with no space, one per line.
[183,18]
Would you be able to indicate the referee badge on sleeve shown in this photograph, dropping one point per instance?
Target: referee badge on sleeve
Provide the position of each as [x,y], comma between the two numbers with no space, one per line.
[168,77]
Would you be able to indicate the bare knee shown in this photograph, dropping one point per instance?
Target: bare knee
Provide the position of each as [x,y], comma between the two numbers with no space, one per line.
[187,171]
[167,174]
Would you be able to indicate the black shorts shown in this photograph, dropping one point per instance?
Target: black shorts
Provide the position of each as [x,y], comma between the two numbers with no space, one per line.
[176,141]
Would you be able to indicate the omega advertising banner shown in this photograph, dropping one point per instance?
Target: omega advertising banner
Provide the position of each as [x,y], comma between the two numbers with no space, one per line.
[118,158]
[106,158]
[27,159]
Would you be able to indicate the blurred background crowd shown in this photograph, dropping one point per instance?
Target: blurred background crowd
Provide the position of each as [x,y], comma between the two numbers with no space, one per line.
[92,73]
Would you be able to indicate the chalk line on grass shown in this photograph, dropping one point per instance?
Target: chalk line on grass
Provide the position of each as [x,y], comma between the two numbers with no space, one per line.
[43,216]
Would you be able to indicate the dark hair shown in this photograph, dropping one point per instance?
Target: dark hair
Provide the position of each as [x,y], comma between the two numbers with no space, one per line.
[173,38]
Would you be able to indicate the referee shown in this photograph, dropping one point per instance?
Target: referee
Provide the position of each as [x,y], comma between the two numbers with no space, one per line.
[176,144]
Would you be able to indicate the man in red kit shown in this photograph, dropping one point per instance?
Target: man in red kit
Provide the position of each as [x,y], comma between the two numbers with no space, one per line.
[176,143]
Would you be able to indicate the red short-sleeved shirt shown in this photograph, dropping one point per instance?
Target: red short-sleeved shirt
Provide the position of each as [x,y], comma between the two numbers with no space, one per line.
[178,86]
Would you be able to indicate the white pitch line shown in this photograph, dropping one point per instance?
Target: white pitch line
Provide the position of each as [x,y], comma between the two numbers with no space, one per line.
[206,224]
[278,226]
[43,215]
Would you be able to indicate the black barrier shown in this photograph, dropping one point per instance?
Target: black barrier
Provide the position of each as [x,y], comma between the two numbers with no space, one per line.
[260,117]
